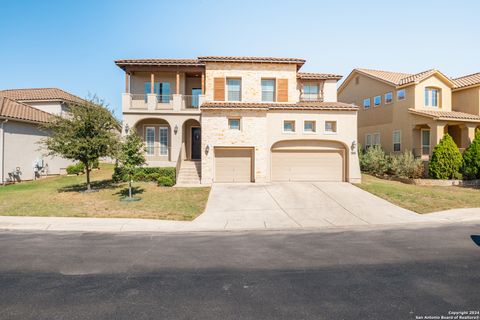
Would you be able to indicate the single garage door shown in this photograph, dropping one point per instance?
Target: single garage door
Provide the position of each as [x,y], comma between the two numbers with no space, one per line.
[233,164]
[311,165]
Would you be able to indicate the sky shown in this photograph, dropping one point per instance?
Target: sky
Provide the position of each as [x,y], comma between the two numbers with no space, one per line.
[72,44]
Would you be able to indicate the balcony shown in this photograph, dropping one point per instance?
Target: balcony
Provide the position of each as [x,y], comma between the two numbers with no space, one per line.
[132,102]
[311,97]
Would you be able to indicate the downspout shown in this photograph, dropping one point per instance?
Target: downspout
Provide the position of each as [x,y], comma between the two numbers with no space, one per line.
[3,149]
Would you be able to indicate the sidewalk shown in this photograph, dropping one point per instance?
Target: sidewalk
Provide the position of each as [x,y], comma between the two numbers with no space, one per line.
[149,225]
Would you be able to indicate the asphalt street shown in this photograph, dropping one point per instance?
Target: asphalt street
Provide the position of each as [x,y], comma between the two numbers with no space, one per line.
[336,274]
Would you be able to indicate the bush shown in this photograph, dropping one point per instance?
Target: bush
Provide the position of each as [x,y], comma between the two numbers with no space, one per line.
[471,159]
[95,164]
[446,160]
[165,181]
[374,161]
[76,168]
[405,165]
[152,174]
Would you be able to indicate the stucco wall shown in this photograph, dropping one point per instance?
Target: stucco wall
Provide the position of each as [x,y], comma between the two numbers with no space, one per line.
[433,81]
[50,107]
[467,100]
[251,75]
[22,149]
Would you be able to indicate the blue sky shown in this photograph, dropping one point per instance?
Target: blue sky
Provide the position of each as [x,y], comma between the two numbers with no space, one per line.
[72,44]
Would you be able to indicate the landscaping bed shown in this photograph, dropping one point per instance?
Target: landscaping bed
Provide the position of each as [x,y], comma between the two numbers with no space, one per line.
[60,196]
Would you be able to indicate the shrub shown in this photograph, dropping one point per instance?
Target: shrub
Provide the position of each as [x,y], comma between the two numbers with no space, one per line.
[405,165]
[471,159]
[76,168]
[375,161]
[446,160]
[165,181]
[144,174]
[95,164]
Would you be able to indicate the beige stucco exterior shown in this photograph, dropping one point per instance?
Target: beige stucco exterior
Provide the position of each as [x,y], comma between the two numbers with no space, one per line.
[21,149]
[467,100]
[388,118]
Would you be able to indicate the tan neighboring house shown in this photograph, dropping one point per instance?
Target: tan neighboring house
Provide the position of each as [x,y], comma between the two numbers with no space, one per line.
[22,111]
[402,111]
[240,119]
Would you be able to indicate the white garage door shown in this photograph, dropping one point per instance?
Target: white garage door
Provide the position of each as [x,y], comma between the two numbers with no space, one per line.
[233,165]
[308,165]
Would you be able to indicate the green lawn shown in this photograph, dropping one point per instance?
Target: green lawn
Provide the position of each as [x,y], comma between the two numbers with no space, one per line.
[60,196]
[419,198]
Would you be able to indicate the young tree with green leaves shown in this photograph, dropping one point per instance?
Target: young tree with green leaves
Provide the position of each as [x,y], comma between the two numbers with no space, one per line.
[87,132]
[471,159]
[131,155]
[446,160]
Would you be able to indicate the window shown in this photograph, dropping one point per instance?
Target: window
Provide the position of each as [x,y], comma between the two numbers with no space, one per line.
[425,142]
[401,95]
[234,89]
[397,139]
[163,141]
[309,126]
[431,97]
[368,141]
[150,140]
[376,139]
[288,126]
[388,97]
[377,100]
[268,90]
[310,92]
[330,126]
[366,103]
[161,89]
[234,124]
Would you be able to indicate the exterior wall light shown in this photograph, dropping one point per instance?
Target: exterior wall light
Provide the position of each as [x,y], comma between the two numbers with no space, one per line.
[353,146]
[127,128]
[207,149]
[175,129]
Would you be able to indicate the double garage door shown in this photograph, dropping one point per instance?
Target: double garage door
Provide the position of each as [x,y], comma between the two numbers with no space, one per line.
[308,165]
[236,165]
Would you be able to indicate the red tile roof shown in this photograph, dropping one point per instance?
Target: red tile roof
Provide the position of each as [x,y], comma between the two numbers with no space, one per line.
[337,106]
[40,94]
[317,76]
[399,78]
[296,61]
[159,62]
[467,81]
[446,115]
[15,110]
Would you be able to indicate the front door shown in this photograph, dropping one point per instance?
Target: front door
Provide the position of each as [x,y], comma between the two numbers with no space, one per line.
[196,143]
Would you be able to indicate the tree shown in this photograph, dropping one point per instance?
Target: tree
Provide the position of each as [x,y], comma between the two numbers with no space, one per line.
[446,160]
[130,156]
[471,158]
[86,133]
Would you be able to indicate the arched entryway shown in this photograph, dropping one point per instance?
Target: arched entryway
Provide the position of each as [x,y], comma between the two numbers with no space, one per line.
[156,133]
[308,160]
[192,140]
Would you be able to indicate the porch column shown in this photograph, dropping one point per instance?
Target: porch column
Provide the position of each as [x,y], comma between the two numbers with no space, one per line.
[127,82]
[203,83]
[468,134]
[152,82]
[437,130]
[177,83]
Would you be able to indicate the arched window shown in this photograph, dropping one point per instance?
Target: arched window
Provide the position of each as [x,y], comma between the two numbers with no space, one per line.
[432,97]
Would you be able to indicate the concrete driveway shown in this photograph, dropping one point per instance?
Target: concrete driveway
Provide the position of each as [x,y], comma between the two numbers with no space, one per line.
[298,205]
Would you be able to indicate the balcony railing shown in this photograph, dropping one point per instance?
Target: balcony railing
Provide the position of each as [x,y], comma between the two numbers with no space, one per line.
[311,97]
[175,102]
[190,102]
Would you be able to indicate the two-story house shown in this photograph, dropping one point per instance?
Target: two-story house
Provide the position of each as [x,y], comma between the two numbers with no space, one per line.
[240,119]
[402,111]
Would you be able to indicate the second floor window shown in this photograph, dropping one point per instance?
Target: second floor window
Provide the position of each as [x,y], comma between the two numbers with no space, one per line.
[310,92]
[401,95]
[234,89]
[366,103]
[388,97]
[377,100]
[431,97]
[161,89]
[268,90]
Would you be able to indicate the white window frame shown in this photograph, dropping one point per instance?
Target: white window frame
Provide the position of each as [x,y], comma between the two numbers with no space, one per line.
[404,95]
[335,127]
[379,104]
[146,141]
[385,97]
[374,135]
[369,103]
[429,141]
[274,97]
[399,132]
[294,126]
[367,136]
[429,96]
[314,127]
[227,98]
[239,124]
[163,152]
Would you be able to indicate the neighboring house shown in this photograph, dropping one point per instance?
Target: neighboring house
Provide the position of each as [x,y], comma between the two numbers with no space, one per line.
[22,112]
[240,119]
[401,111]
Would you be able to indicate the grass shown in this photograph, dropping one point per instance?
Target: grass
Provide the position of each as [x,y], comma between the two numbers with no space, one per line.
[61,196]
[421,199]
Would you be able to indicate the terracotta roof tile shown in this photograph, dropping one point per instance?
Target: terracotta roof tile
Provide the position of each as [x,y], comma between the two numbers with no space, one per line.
[12,109]
[317,76]
[467,81]
[446,115]
[399,78]
[339,106]
[40,94]
[159,62]
[296,61]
